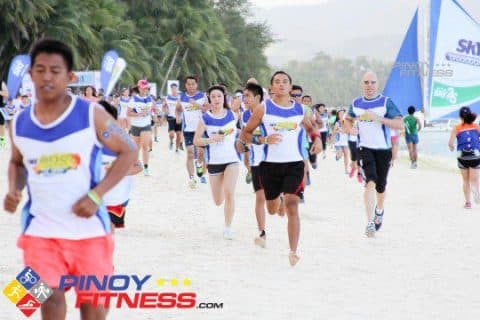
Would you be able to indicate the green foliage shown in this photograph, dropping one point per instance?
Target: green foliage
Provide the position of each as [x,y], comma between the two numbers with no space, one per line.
[335,81]
[159,39]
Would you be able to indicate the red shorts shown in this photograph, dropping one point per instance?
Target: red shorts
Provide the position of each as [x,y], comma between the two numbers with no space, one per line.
[53,258]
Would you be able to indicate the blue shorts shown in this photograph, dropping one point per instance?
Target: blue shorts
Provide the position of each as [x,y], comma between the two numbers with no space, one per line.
[411,138]
[188,137]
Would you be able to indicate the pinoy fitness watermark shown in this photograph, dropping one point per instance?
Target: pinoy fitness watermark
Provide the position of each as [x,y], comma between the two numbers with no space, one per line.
[28,292]
[422,69]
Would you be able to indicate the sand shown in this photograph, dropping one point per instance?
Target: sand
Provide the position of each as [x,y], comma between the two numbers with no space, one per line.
[422,265]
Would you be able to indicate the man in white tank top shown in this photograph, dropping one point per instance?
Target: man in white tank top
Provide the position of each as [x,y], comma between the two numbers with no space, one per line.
[282,170]
[56,153]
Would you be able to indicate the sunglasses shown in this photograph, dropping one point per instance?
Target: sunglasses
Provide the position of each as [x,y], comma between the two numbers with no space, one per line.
[369,82]
[295,95]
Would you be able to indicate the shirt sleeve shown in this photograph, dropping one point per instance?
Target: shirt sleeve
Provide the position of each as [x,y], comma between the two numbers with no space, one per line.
[392,110]
[350,112]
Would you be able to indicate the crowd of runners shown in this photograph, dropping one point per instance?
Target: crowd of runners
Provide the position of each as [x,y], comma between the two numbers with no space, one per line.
[90,146]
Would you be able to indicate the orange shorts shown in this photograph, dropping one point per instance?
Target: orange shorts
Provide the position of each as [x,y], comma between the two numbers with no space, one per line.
[53,258]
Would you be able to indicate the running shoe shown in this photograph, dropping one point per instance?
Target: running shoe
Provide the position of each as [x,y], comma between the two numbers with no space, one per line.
[476,196]
[203,180]
[293,258]
[324,156]
[3,143]
[146,173]
[308,178]
[261,241]
[228,234]
[351,173]
[192,183]
[155,139]
[370,230]
[359,178]
[181,146]
[170,146]
[415,165]
[468,205]
[314,166]
[378,220]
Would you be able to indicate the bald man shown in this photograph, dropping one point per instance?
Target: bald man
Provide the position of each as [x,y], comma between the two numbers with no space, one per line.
[376,116]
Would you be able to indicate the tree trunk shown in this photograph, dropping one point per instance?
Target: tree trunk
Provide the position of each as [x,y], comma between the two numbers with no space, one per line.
[172,63]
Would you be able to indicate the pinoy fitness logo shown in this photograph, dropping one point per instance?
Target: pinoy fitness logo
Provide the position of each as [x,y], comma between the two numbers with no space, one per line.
[27,291]
[130,291]
[57,163]
[467,52]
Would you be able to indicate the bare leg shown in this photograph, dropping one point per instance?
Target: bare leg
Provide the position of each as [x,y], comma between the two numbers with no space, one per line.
[230,177]
[88,312]
[291,204]
[369,199]
[55,307]
[466,184]
[260,209]
[190,161]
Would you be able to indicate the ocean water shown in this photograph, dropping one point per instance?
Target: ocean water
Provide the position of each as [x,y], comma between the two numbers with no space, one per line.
[432,144]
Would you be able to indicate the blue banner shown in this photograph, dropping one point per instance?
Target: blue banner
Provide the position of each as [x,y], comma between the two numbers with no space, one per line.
[18,68]
[108,62]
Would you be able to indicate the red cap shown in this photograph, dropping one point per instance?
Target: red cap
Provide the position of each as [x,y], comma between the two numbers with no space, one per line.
[143,84]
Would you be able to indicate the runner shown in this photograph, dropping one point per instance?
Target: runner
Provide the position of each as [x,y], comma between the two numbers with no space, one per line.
[283,169]
[55,152]
[217,131]
[117,198]
[412,126]
[174,122]
[375,114]
[126,102]
[468,147]
[192,104]
[157,117]
[353,147]
[141,130]
[253,98]
[341,139]
[321,119]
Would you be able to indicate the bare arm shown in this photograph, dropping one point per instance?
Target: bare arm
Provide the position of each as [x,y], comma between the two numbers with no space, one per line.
[451,140]
[419,125]
[312,132]
[17,177]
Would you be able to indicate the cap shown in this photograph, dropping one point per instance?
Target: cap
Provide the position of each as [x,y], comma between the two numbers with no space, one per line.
[142,84]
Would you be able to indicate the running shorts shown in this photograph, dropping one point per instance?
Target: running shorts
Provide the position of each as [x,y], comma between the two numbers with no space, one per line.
[277,178]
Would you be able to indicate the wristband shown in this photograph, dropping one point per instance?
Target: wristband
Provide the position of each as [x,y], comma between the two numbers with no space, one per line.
[256,140]
[314,135]
[244,144]
[92,195]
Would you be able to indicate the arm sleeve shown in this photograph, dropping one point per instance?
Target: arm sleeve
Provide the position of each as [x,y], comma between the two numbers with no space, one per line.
[392,110]
[350,112]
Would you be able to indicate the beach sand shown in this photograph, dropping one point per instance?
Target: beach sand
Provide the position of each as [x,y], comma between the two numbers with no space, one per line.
[423,264]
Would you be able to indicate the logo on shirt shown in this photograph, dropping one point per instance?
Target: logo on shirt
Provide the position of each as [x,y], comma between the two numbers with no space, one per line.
[365,118]
[57,163]
[284,126]
[27,291]
[192,107]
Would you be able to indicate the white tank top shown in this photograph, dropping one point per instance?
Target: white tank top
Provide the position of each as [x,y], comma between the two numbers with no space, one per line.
[324,118]
[221,152]
[257,152]
[122,191]
[139,105]
[125,103]
[286,121]
[63,162]
[341,138]
[172,105]
[191,115]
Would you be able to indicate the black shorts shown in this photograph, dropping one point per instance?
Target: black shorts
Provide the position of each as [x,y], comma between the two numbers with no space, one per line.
[2,119]
[117,214]
[217,169]
[256,171]
[188,138]
[352,145]
[468,160]
[324,136]
[375,164]
[135,131]
[286,177]
[173,125]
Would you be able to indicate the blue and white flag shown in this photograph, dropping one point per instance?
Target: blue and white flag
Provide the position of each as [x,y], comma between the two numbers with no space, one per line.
[18,68]
[108,62]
